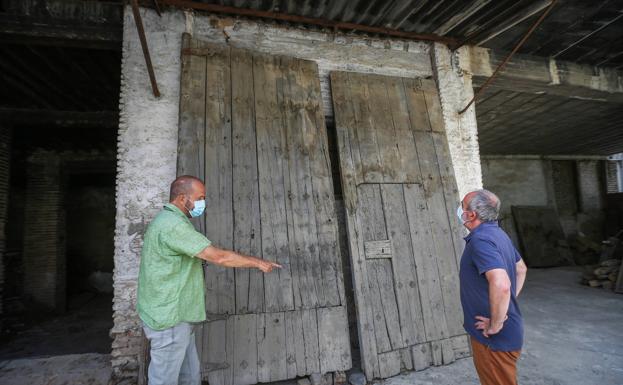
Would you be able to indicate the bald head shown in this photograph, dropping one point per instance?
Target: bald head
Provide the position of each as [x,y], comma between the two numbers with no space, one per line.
[184,185]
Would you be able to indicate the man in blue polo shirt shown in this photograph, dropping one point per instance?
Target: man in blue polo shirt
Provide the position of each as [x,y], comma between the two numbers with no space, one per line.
[492,275]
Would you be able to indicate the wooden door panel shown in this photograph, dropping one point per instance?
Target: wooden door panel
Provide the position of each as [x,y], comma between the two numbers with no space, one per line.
[251,126]
[400,196]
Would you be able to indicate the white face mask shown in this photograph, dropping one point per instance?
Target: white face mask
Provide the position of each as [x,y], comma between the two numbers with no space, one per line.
[459,214]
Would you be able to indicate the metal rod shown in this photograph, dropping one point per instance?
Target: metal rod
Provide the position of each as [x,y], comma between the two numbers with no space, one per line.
[510,55]
[141,35]
[336,25]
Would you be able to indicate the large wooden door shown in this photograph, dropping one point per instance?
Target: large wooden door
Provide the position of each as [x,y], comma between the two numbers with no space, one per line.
[400,196]
[252,127]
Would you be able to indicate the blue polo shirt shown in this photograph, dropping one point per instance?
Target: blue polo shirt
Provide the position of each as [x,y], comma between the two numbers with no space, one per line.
[488,247]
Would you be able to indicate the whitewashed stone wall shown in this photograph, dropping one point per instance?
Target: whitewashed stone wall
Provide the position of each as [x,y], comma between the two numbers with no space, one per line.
[454,79]
[148,126]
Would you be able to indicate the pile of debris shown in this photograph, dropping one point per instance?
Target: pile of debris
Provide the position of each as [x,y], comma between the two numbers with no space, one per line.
[608,274]
[605,275]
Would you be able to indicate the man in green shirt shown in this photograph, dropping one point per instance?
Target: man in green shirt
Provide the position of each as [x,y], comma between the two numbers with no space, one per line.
[170,283]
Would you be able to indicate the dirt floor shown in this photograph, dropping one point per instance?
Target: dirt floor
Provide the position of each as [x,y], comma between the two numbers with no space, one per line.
[574,335]
[87,320]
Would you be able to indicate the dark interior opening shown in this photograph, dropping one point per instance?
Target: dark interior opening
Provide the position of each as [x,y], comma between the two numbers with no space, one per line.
[60,107]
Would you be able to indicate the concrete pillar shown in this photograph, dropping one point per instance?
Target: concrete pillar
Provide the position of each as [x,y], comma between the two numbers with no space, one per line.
[5,165]
[44,232]
[453,74]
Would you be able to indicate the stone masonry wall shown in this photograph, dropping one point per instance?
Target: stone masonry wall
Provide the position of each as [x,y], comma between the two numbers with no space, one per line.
[44,227]
[148,126]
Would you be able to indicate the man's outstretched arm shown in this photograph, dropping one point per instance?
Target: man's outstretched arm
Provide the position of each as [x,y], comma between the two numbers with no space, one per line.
[228,258]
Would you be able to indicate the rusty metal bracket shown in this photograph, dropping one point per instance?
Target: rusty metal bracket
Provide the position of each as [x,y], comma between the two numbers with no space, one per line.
[510,55]
[141,35]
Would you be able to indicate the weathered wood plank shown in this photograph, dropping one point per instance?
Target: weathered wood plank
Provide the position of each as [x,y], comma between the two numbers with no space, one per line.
[361,282]
[272,164]
[437,352]
[461,346]
[291,344]
[364,133]
[191,132]
[406,362]
[303,240]
[451,192]
[214,354]
[271,349]
[382,125]
[375,301]
[403,264]
[296,318]
[422,357]
[404,143]
[447,351]
[334,344]
[389,364]
[439,220]
[370,212]
[220,291]
[434,317]
[249,283]
[350,166]
[385,279]
[372,227]
[310,334]
[218,352]
[245,349]
[444,162]
[345,123]
[323,197]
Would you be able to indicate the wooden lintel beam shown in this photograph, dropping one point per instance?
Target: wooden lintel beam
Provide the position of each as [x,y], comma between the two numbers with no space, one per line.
[67,119]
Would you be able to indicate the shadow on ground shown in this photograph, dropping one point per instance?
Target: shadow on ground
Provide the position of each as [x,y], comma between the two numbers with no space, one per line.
[574,335]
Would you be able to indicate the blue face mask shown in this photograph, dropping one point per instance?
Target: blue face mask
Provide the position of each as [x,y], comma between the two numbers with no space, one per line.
[199,208]
[459,213]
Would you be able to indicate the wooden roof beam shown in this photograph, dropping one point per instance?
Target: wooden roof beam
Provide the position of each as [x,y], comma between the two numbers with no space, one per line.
[18,29]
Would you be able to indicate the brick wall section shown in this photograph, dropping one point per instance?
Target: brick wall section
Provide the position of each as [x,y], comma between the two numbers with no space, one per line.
[591,185]
[44,227]
[147,150]
[5,162]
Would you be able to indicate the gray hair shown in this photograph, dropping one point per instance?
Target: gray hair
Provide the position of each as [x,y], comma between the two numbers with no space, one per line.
[486,205]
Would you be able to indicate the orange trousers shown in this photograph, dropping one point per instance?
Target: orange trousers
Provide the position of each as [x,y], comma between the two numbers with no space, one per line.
[494,368]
